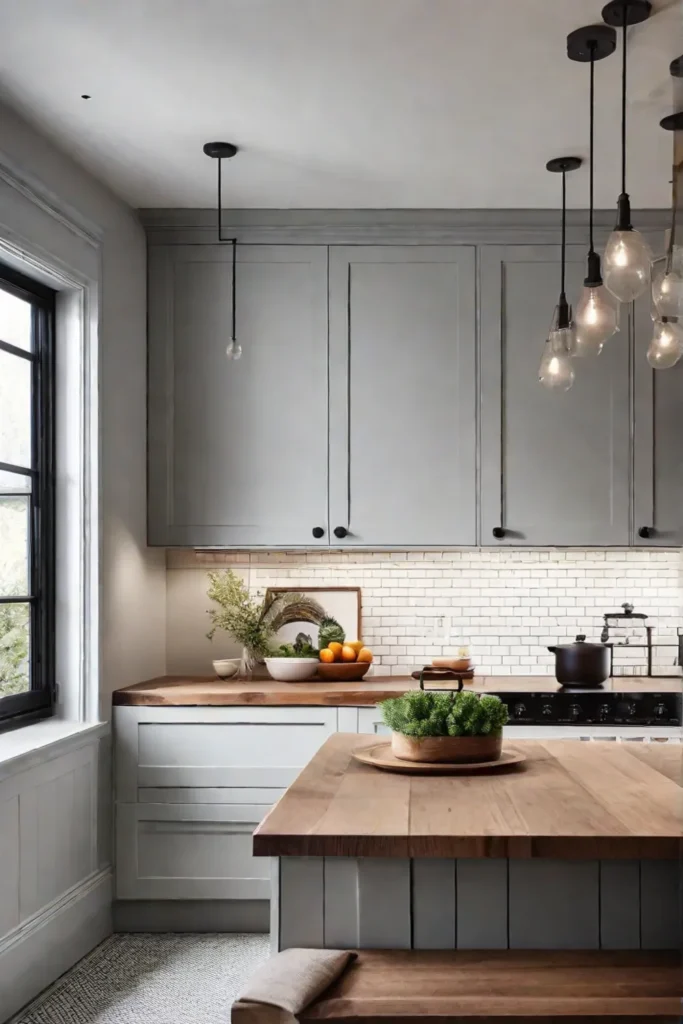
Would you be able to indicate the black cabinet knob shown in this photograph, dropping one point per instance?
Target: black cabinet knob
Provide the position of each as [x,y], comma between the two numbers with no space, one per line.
[498,532]
[318,532]
[340,531]
[645,531]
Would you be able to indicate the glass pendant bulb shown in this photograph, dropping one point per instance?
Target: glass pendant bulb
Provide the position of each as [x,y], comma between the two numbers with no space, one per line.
[556,371]
[667,286]
[234,350]
[595,321]
[666,347]
[627,264]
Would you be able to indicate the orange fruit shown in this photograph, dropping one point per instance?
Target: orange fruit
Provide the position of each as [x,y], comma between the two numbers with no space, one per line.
[327,655]
[336,649]
[348,653]
[356,644]
[365,654]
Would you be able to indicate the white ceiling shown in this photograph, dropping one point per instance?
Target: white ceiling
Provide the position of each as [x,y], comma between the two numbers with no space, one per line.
[339,103]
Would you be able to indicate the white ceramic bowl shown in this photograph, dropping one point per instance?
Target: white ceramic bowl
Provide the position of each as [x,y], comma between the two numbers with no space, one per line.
[226,668]
[291,670]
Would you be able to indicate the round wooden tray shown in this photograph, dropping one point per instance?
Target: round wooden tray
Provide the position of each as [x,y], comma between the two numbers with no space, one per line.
[380,756]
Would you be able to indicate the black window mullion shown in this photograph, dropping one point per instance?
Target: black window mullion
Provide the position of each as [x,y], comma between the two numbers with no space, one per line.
[14,350]
[19,708]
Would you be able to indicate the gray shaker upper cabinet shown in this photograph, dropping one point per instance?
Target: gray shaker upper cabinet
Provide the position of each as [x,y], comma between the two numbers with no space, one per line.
[555,468]
[658,443]
[402,396]
[237,449]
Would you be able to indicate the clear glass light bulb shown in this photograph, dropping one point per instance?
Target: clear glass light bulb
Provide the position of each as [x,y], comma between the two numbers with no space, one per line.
[626,264]
[233,351]
[556,371]
[667,288]
[666,347]
[595,321]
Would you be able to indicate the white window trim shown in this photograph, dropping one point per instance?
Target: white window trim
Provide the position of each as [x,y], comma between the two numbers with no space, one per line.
[78,451]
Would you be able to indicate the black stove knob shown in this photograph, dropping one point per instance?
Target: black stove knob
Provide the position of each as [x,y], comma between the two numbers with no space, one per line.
[547,710]
[574,712]
[632,710]
[603,712]
[661,711]
[519,710]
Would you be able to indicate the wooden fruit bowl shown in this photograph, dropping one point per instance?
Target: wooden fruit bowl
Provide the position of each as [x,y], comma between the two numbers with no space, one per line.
[450,749]
[343,671]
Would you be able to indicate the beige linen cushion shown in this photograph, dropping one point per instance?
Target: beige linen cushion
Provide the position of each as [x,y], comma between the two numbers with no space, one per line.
[287,983]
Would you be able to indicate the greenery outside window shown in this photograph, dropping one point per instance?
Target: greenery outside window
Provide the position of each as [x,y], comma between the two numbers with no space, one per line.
[27,498]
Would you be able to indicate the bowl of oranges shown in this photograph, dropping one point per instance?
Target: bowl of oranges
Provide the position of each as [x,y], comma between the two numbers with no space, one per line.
[344,662]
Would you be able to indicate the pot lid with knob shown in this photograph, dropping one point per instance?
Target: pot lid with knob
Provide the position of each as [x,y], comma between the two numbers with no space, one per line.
[580,644]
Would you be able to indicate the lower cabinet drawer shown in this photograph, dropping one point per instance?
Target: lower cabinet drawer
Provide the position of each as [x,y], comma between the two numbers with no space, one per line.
[370,721]
[192,851]
[215,748]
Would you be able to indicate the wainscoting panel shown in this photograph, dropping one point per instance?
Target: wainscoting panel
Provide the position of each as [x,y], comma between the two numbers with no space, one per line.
[55,890]
[9,859]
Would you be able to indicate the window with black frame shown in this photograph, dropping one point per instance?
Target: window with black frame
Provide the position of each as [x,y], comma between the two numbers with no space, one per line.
[27,559]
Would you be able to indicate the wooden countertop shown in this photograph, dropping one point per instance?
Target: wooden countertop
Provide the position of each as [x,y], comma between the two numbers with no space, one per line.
[199,691]
[570,801]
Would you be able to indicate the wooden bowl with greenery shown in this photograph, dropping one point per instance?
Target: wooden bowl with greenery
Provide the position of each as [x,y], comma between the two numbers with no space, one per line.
[454,728]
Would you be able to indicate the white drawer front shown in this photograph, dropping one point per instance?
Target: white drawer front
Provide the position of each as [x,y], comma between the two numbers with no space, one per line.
[189,852]
[370,721]
[207,795]
[225,755]
[198,748]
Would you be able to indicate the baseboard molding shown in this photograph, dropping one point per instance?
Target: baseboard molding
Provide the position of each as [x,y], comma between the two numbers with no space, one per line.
[43,947]
[192,916]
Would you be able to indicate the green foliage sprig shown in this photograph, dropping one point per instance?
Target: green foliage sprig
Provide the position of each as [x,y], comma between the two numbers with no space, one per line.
[238,613]
[253,621]
[427,713]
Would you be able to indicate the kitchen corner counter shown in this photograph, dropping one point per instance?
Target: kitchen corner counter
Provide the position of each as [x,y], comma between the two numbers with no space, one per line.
[208,691]
[569,801]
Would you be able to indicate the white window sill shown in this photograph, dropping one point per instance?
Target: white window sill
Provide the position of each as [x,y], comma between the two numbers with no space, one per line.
[34,744]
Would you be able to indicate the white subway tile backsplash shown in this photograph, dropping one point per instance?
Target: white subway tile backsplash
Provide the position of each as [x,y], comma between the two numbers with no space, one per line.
[507,605]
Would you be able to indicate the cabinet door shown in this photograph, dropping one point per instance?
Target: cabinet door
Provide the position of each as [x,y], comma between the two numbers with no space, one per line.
[402,395]
[555,468]
[237,450]
[199,851]
[658,439]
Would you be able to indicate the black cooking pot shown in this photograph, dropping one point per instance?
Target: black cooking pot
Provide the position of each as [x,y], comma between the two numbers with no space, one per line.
[581,664]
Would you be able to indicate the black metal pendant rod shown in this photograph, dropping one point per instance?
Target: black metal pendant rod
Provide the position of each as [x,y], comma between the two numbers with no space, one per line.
[623,100]
[233,242]
[591,146]
[224,151]
[563,297]
[562,164]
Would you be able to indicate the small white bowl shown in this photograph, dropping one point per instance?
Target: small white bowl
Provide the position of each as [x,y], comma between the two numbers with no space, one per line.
[291,670]
[226,668]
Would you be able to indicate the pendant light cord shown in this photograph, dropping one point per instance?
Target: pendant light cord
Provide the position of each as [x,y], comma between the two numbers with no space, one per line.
[591,123]
[234,289]
[623,100]
[672,230]
[219,207]
[564,233]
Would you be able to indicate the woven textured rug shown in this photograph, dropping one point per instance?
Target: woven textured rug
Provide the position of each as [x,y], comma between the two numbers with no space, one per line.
[152,979]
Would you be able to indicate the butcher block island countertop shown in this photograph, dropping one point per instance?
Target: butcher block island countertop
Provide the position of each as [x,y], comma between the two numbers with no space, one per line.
[569,800]
[208,691]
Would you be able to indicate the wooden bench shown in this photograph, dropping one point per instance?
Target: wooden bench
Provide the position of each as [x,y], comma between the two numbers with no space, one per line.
[509,986]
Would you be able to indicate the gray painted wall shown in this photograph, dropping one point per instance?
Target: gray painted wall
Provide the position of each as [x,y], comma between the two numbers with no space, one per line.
[54,915]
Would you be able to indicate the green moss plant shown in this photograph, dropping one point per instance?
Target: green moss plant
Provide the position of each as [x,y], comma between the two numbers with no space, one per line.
[430,713]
